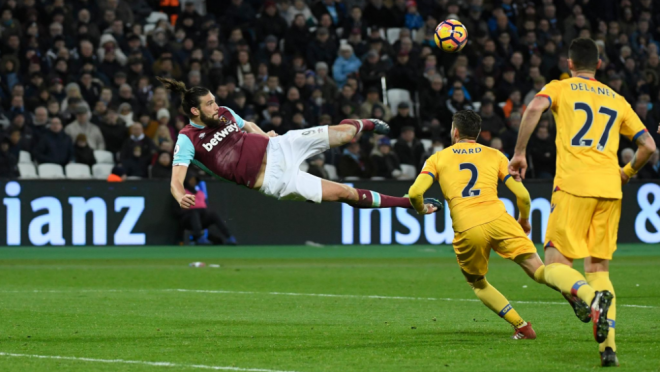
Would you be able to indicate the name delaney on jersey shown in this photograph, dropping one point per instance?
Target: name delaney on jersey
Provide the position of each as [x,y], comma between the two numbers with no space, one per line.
[598,90]
[220,135]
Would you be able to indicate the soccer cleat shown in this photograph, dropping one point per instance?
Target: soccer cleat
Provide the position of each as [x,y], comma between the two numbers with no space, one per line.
[524,333]
[599,307]
[581,309]
[608,358]
[435,202]
[380,127]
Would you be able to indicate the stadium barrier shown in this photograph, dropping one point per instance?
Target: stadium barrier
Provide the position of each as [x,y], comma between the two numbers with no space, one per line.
[143,213]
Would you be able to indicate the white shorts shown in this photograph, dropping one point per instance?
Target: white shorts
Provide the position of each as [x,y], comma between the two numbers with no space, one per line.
[283,178]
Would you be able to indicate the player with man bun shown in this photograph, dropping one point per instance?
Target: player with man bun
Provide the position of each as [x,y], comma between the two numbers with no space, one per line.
[224,145]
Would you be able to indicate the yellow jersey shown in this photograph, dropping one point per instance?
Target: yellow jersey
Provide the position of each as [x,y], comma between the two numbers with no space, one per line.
[589,117]
[468,173]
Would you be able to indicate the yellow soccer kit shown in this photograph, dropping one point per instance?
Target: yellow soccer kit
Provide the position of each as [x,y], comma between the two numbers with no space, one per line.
[586,203]
[468,174]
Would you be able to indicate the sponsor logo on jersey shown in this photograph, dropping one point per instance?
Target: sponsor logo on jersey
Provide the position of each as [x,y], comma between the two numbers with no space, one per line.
[202,135]
[220,135]
[176,149]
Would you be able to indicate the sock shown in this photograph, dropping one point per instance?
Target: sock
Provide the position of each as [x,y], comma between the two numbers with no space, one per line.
[600,281]
[372,199]
[539,275]
[495,301]
[569,280]
[360,125]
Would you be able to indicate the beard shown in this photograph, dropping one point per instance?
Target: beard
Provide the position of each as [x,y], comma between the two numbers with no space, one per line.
[210,121]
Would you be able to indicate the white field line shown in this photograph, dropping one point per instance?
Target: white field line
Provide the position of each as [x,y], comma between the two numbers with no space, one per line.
[140,362]
[371,297]
[382,297]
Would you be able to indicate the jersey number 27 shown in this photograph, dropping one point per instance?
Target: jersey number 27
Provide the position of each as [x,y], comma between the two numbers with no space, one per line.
[579,140]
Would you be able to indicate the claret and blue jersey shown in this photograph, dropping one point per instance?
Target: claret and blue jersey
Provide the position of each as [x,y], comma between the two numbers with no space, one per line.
[184,151]
[225,151]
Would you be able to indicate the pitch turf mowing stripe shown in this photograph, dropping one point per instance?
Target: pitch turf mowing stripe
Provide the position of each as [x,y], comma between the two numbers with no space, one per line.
[328,295]
[139,362]
[332,251]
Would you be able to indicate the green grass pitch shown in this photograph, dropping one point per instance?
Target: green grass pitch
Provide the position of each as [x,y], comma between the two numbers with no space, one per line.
[302,309]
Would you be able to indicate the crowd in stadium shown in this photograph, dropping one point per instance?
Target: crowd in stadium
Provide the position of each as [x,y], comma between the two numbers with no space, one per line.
[79,75]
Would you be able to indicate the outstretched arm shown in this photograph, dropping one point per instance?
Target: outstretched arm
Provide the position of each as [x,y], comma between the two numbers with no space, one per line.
[523,201]
[518,164]
[645,148]
[251,127]
[176,187]
[417,190]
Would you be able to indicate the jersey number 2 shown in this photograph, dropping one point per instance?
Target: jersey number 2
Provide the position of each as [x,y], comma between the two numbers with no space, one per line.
[579,140]
[467,191]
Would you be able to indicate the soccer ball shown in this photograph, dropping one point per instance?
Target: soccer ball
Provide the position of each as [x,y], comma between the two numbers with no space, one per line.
[451,36]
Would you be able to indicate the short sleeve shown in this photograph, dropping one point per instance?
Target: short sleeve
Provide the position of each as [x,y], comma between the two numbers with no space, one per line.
[239,120]
[551,91]
[184,151]
[631,126]
[503,171]
[429,167]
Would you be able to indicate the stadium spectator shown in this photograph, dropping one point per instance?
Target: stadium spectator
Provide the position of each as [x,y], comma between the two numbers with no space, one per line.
[270,22]
[82,152]
[345,64]
[40,119]
[316,167]
[627,155]
[84,126]
[492,125]
[352,163]
[321,49]
[8,162]
[136,164]
[401,120]
[113,130]
[373,100]
[163,167]
[408,148]
[510,135]
[402,75]
[543,153]
[200,217]
[146,145]
[385,162]
[373,70]
[54,146]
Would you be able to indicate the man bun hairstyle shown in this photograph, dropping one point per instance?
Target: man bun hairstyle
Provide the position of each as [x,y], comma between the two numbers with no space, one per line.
[583,52]
[189,97]
[468,124]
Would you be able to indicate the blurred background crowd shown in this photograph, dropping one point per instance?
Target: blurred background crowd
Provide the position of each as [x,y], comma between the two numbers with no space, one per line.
[77,77]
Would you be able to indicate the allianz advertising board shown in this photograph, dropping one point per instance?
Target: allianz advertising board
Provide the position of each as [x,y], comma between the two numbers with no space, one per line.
[38,213]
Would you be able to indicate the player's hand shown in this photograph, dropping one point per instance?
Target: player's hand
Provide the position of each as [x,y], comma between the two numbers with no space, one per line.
[624,177]
[187,201]
[428,209]
[518,167]
[272,134]
[524,223]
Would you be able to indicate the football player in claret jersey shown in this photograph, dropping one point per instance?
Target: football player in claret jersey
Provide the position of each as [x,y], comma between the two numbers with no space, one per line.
[468,174]
[586,200]
[228,147]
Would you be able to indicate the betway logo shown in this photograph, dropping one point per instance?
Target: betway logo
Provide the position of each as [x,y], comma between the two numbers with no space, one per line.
[220,135]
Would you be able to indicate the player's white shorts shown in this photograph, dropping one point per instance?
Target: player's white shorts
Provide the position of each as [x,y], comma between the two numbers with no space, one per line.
[283,178]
